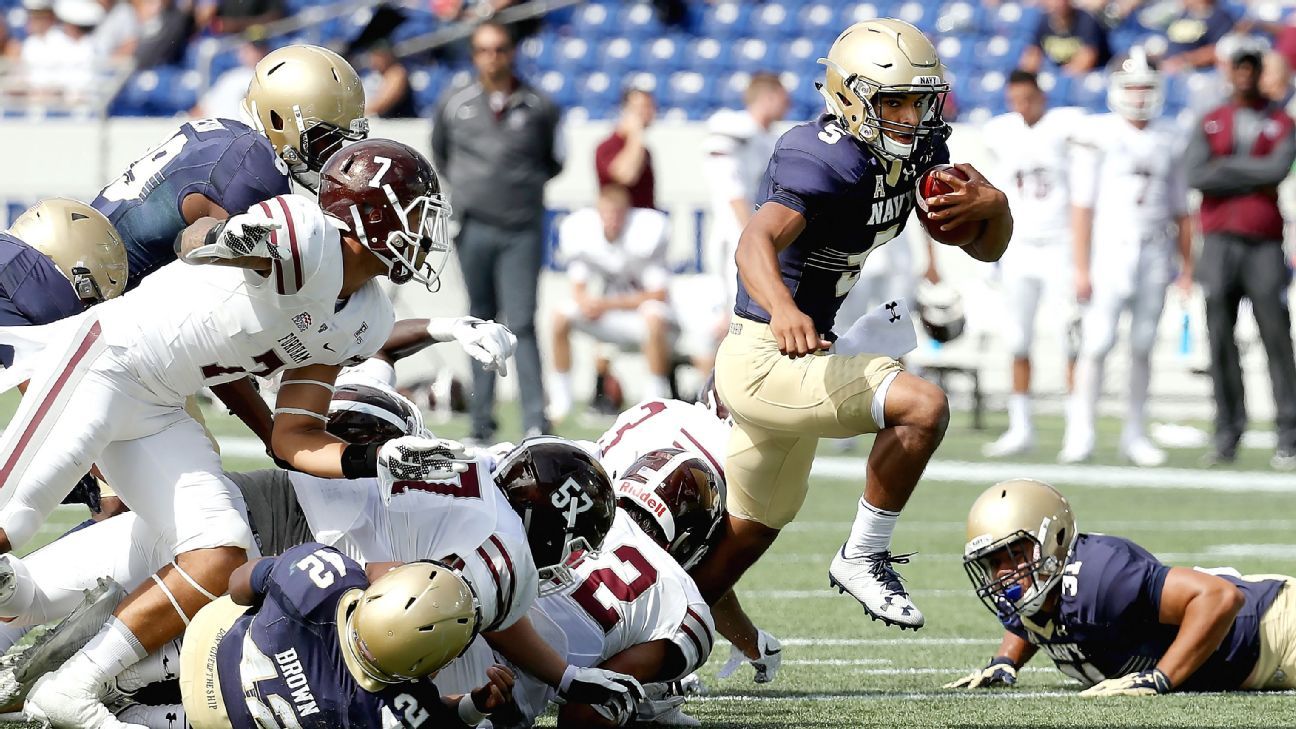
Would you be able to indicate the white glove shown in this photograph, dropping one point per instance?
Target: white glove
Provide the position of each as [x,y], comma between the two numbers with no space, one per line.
[415,458]
[661,705]
[767,665]
[489,343]
[998,672]
[243,236]
[615,696]
[1144,683]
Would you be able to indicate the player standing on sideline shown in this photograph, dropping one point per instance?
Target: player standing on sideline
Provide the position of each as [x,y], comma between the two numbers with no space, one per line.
[1032,150]
[1131,218]
[836,189]
[293,286]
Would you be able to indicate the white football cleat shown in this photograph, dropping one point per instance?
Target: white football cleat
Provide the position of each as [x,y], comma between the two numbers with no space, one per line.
[1011,443]
[874,582]
[1075,453]
[1141,452]
[68,698]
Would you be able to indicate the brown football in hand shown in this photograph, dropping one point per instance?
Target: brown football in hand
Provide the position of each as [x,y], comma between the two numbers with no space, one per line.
[929,185]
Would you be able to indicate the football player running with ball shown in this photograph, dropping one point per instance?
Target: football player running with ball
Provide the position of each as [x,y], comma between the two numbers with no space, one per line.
[1110,614]
[835,190]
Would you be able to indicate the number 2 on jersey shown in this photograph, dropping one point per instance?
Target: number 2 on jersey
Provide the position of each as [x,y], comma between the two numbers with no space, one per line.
[319,572]
[604,612]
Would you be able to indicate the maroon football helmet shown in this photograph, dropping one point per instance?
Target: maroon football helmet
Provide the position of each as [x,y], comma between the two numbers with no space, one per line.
[675,497]
[565,500]
[364,414]
[390,198]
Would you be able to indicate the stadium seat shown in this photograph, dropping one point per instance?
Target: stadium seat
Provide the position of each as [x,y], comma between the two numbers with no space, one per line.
[725,19]
[751,55]
[1090,91]
[615,56]
[773,20]
[597,90]
[639,20]
[592,20]
[665,53]
[571,55]
[687,88]
[817,20]
[851,13]
[706,55]
[800,55]
[730,89]
[997,53]
[558,86]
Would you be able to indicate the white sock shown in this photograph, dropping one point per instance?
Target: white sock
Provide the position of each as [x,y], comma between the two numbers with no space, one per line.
[1140,377]
[161,665]
[560,396]
[1083,405]
[656,387]
[871,531]
[112,649]
[1019,413]
[169,716]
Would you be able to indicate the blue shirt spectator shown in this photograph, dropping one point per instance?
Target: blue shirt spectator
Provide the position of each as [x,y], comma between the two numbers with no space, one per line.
[1192,35]
[1067,37]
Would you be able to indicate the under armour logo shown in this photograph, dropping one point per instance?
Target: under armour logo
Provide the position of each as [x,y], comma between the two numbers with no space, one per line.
[891,309]
[571,499]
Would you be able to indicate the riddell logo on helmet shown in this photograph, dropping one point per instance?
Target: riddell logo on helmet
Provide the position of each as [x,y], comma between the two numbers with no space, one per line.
[647,498]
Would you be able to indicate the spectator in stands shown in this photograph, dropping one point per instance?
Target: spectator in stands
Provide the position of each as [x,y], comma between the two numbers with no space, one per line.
[117,35]
[235,16]
[224,99]
[1276,81]
[738,146]
[392,98]
[622,158]
[1237,156]
[39,52]
[1194,33]
[497,142]
[78,57]
[164,33]
[616,262]
[1067,37]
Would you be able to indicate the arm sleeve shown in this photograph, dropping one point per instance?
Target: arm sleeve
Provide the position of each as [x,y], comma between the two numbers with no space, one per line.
[1237,173]
[1197,156]
[801,181]
[303,240]
[261,578]
[695,638]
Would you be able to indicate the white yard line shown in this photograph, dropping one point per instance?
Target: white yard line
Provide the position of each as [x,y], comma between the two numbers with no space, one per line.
[1108,526]
[867,642]
[953,694]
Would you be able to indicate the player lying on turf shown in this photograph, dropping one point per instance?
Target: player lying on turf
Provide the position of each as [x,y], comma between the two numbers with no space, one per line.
[305,640]
[703,429]
[290,285]
[1111,615]
[632,607]
[836,189]
[459,518]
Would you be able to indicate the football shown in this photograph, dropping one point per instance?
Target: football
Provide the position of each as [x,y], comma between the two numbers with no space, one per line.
[929,185]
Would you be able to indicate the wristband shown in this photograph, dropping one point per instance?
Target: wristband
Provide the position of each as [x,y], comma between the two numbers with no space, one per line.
[468,711]
[566,681]
[1001,661]
[360,461]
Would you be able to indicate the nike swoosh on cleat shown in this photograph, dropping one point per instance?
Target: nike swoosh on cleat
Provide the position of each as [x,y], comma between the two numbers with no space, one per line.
[769,652]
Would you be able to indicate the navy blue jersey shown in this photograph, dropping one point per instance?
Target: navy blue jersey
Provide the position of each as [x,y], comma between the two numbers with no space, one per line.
[852,201]
[282,661]
[1107,623]
[226,161]
[32,290]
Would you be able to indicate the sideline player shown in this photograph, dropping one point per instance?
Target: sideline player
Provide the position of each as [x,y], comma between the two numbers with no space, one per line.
[1032,150]
[1110,614]
[1131,222]
[836,189]
[270,302]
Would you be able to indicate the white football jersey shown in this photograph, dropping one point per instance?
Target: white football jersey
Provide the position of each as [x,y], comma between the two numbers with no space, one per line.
[654,424]
[1032,165]
[465,521]
[737,152]
[186,326]
[1135,181]
[635,262]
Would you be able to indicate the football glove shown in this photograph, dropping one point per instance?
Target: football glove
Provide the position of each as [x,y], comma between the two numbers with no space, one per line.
[242,236]
[1000,671]
[767,665]
[1144,683]
[415,458]
[489,343]
[615,696]
[661,705]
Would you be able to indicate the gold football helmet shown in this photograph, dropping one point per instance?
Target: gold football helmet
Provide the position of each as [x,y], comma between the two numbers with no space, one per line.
[408,624]
[84,246]
[309,101]
[884,56]
[1034,523]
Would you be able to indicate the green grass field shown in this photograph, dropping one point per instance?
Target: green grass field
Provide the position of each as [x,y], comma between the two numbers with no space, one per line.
[843,670]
